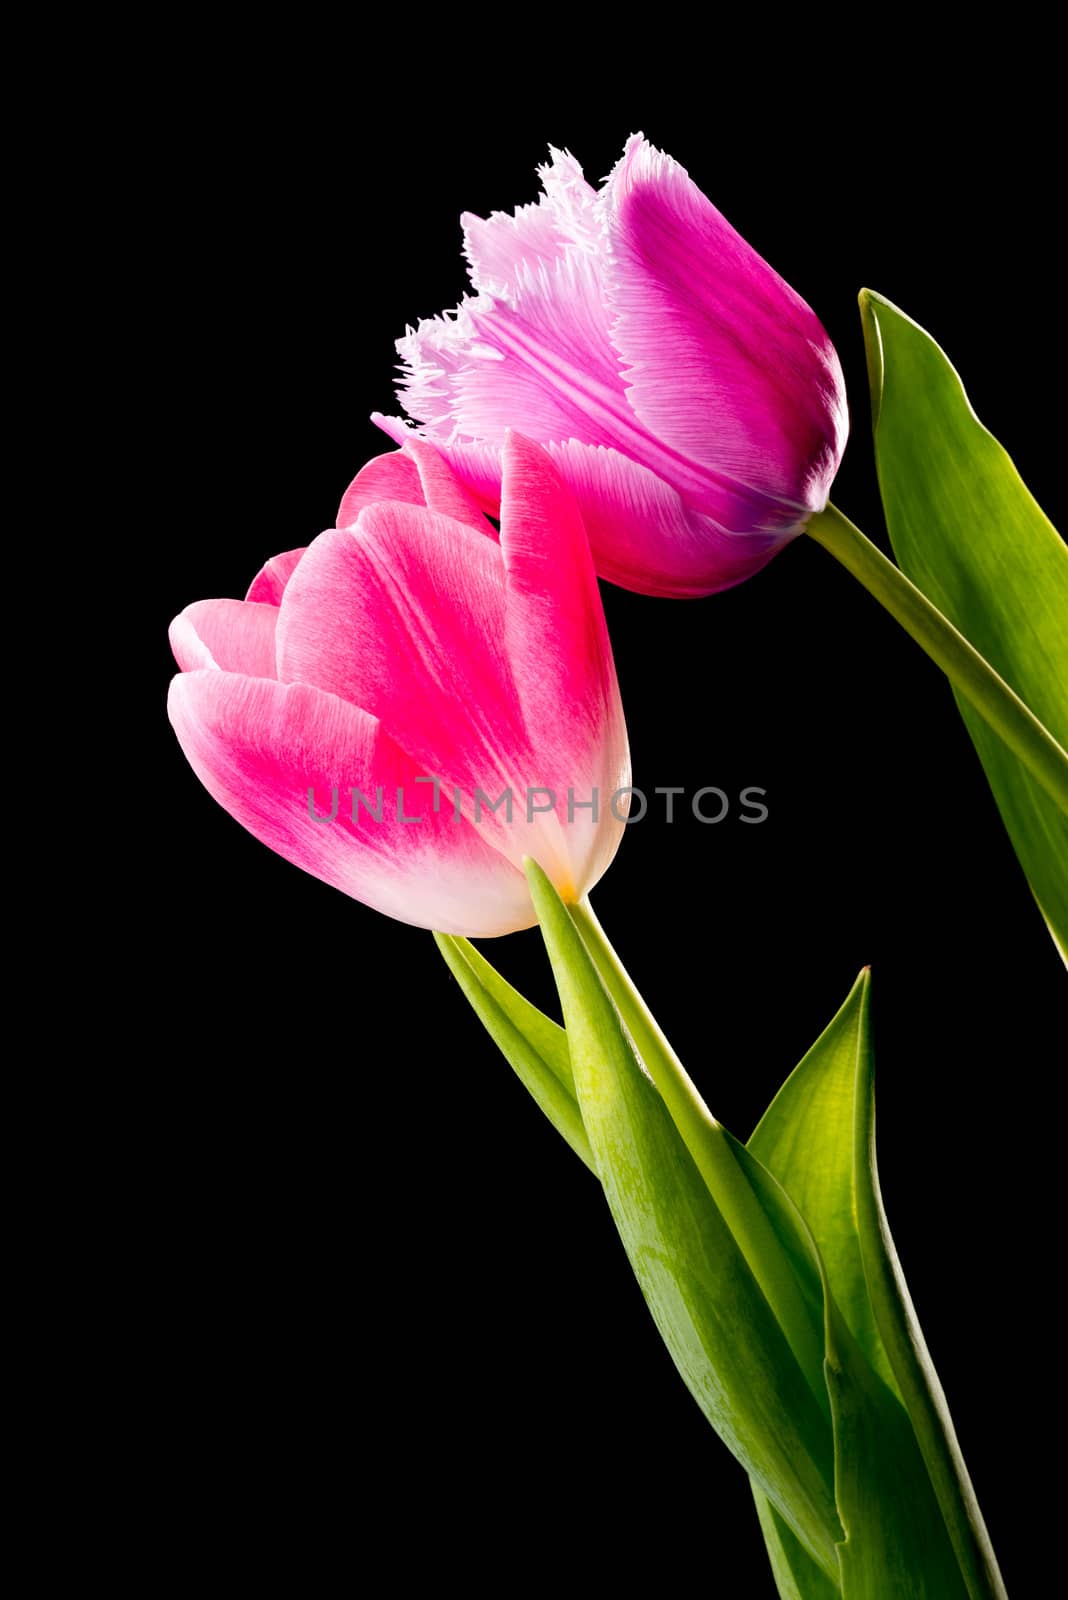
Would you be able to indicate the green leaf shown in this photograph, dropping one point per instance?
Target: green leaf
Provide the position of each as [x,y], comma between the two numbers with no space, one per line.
[797,1576]
[967,531]
[787,1276]
[806,1139]
[534,1046]
[708,1303]
[709,1309]
[903,1491]
[896,1540]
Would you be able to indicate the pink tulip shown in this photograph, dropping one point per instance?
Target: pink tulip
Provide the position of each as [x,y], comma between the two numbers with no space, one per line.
[412,644]
[692,401]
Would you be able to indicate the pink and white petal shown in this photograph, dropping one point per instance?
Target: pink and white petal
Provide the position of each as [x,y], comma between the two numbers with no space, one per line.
[259,747]
[404,615]
[495,246]
[645,538]
[573,201]
[393,476]
[395,428]
[539,358]
[229,635]
[499,382]
[477,465]
[725,362]
[560,653]
[543,361]
[431,354]
[268,584]
[557,328]
[499,246]
[443,491]
[416,475]
[555,632]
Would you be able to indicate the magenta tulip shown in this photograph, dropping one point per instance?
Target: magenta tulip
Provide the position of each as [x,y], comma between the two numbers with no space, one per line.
[692,401]
[377,694]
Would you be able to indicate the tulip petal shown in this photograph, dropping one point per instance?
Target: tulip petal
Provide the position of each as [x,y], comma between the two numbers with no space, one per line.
[443,491]
[557,643]
[494,366]
[393,476]
[555,633]
[645,538]
[404,615]
[545,354]
[572,200]
[726,364]
[432,353]
[535,351]
[499,246]
[496,246]
[268,584]
[259,746]
[417,475]
[407,615]
[544,362]
[478,465]
[230,635]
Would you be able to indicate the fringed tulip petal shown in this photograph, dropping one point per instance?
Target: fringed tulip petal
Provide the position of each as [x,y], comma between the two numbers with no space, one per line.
[642,534]
[500,246]
[502,249]
[723,361]
[497,246]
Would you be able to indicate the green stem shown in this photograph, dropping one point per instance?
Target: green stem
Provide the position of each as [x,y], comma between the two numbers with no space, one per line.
[710,1146]
[965,668]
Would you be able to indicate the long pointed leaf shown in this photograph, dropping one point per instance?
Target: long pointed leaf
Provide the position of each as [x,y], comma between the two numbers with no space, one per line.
[534,1046]
[778,1269]
[817,1137]
[796,1575]
[806,1139]
[900,1331]
[896,1541]
[896,1538]
[967,531]
[704,1299]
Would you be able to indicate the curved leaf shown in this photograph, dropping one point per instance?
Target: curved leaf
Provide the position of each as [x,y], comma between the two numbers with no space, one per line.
[967,531]
[797,1577]
[534,1046]
[708,1307]
[818,1138]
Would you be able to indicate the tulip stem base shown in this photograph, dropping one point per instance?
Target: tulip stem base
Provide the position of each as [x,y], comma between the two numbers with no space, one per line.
[966,669]
[711,1148]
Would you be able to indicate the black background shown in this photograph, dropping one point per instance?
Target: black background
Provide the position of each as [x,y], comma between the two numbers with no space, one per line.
[382,1312]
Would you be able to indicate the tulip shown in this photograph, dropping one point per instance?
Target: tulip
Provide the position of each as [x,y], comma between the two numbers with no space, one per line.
[402,673]
[692,401]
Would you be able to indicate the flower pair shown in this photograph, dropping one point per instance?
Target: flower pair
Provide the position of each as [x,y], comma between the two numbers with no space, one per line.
[366,708]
